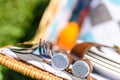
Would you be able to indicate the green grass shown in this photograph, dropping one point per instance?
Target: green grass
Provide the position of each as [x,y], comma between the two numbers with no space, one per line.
[19,20]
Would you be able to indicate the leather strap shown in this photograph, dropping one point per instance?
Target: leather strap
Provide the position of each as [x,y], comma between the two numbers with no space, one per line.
[79,50]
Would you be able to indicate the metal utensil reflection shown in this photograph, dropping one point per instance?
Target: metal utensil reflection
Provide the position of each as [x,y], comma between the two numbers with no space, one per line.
[45,49]
[35,60]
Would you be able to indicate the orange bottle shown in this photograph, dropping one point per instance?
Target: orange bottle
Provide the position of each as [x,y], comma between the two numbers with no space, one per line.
[68,36]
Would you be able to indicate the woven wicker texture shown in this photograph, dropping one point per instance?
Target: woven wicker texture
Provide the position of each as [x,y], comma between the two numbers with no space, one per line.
[26,70]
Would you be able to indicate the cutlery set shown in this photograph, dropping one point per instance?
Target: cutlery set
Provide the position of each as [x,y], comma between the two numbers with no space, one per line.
[76,64]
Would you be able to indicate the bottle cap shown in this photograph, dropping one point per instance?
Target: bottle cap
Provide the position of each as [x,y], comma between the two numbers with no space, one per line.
[82,68]
[60,61]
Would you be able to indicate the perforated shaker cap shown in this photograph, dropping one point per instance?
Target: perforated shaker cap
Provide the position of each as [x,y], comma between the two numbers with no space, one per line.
[60,61]
[81,69]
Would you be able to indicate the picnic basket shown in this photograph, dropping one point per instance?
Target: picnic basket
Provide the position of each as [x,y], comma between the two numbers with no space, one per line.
[27,69]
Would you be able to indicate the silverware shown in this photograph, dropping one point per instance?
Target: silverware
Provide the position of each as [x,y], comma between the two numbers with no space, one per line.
[36,61]
[45,49]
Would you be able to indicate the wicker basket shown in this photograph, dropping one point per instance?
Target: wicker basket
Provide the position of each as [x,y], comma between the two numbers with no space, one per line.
[27,69]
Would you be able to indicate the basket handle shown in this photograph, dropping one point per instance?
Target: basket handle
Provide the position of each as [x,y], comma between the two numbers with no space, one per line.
[47,18]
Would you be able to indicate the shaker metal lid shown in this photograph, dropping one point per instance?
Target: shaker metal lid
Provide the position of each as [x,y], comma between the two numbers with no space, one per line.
[81,69]
[60,61]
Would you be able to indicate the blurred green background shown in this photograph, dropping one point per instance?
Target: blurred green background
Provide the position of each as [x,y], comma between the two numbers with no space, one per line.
[19,20]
